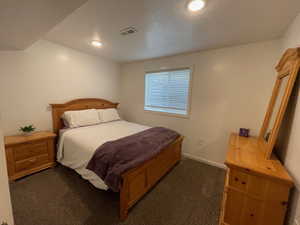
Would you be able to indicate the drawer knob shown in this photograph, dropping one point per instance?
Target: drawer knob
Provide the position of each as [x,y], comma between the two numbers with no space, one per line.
[252,215]
[236,179]
[243,182]
[284,203]
[32,160]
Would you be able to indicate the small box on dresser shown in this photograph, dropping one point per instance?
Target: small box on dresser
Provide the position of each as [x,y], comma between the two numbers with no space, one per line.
[29,154]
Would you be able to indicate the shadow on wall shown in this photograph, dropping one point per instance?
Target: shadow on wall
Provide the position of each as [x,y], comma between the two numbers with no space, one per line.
[282,148]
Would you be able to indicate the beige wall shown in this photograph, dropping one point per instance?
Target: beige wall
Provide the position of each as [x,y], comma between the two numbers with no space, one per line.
[289,143]
[230,89]
[5,204]
[49,73]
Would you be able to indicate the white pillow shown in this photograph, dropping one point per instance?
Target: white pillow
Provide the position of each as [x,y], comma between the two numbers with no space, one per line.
[81,118]
[107,115]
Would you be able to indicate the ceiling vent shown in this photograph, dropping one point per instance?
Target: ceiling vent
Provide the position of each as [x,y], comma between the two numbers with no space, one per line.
[128,30]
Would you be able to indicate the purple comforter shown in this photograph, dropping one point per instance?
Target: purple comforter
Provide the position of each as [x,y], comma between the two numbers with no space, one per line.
[113,158]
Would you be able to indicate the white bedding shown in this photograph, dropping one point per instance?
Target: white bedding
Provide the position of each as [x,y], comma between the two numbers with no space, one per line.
[77,146]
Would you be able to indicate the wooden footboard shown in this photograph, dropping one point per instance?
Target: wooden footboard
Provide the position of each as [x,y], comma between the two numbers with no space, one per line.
[138,181]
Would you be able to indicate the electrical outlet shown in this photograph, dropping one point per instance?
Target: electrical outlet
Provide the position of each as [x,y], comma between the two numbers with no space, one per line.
[200,142]
[296,222]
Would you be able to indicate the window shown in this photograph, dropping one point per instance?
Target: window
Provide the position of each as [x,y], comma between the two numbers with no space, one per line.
[168,91]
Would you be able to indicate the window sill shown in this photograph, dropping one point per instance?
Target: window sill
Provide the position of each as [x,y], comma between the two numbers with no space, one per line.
[169,114]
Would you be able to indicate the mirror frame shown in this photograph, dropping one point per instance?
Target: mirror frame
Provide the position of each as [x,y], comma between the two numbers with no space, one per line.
[288,66]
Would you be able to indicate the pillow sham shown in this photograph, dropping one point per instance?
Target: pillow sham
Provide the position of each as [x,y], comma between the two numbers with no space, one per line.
[107,115]
[80,118]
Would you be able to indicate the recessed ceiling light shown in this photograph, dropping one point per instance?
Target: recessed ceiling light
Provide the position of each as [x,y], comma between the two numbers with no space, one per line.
[196,5]
[97,44]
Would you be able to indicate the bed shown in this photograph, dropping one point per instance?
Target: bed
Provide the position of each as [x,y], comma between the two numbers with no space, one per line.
[77,146]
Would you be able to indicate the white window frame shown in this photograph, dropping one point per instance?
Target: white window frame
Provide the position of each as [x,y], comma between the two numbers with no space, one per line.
[188,110]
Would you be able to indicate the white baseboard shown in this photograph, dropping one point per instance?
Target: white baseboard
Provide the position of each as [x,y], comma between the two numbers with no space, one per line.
[211,163]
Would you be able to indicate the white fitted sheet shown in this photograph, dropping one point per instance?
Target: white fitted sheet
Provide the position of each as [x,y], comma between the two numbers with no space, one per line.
[77,145]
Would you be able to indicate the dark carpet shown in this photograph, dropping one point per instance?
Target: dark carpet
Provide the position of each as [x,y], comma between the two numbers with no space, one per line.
[189,195]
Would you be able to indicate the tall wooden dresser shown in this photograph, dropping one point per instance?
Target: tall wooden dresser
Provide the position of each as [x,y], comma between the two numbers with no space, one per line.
[256,189]
[257,185]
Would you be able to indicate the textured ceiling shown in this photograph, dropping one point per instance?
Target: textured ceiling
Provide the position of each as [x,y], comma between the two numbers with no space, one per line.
[165,27]
[23,22]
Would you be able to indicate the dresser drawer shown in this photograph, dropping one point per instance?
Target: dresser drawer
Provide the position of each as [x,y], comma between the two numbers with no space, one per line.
[242,181]
[242,209]
[31,163]
[238,179]
[29,150]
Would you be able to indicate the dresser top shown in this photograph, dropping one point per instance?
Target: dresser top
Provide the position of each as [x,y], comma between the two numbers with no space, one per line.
[19,139]
[246,153]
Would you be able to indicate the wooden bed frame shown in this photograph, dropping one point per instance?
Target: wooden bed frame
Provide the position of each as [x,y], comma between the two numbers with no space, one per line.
[137,181]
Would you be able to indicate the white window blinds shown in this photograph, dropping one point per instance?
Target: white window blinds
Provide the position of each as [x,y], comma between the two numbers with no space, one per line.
[168,91]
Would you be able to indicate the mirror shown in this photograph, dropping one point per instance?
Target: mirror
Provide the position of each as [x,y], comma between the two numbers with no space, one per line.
[287,69]
[281,91]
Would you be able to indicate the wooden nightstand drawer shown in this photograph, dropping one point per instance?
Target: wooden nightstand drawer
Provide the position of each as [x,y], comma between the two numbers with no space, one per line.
[31,163]
[29,150]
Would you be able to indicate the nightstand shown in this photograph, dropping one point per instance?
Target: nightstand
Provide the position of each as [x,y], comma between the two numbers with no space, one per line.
[29,154]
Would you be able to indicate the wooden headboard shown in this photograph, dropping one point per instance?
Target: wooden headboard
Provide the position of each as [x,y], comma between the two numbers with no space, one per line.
[77,104]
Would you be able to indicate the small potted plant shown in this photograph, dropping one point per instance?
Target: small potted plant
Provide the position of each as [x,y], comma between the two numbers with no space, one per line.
[27,130]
